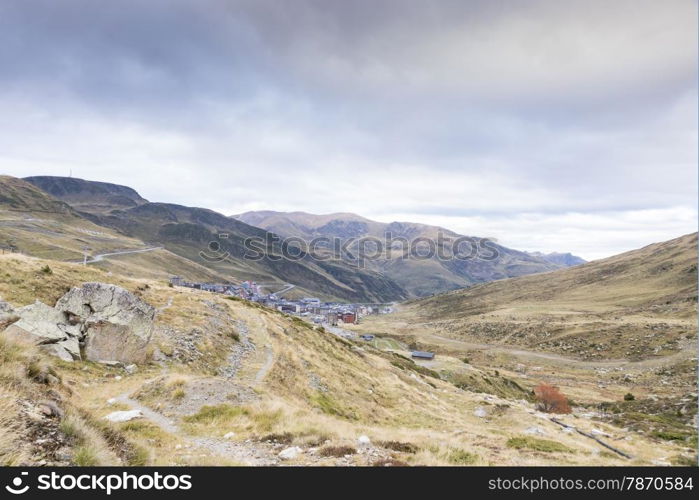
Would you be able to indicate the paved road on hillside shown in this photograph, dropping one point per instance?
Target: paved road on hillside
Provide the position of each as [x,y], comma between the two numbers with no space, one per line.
[101,256]
[687,351]
[269,286]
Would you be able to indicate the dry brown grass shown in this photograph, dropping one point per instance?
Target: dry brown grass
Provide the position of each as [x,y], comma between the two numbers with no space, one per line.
[90,447]
[12,447]
[337,451]
[631,306]
[320,388]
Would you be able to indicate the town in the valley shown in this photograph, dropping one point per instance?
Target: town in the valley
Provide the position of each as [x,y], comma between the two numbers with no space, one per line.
[328,314]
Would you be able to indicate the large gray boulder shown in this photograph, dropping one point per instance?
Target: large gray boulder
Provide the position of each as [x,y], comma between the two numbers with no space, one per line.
[105,341]
[97,321]
[116,325]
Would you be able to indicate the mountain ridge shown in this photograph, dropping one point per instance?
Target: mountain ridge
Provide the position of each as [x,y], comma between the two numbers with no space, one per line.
[421,277]
[566,259]
[88,195]
[189,232]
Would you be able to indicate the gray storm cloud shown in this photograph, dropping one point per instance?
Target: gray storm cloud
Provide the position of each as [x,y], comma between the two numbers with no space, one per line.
[575,119]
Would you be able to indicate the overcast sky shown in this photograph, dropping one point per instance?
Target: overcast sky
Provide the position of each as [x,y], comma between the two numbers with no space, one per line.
[549,125]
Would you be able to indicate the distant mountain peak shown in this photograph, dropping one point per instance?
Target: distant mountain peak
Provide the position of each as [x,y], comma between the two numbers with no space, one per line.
[88,195]
[565,259]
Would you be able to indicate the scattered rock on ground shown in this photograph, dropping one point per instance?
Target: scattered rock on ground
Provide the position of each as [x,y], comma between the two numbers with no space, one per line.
[124,416]
[535,431]
[5,308]
[289,453]
[50,409]
[364,441]
[480,412]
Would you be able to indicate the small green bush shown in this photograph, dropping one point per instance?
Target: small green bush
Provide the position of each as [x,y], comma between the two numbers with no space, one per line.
[138,457]
[670,435]
[208,414]
[530,443]
[85,456]
[461,457]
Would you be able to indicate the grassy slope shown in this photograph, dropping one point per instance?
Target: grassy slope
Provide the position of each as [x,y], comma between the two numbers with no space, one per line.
[632,306]
[622,325]
[317,388]
[159,264]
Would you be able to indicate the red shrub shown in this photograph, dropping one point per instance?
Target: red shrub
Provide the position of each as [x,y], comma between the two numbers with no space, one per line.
[550,399]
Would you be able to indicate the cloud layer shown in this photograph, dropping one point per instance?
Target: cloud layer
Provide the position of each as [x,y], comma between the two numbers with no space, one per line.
[551,125]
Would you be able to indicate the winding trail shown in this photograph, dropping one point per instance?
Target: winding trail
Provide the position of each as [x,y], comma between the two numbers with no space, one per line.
[157,418]
[246,452]
[243,452]
[269,362]
[166,306]
[248,363]
[269,352]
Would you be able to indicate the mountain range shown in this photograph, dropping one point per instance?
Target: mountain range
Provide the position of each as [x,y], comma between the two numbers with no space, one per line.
[120,216]
[420,277]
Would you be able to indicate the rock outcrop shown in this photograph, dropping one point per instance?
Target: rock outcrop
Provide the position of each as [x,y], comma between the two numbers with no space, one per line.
[116,325]
[97,321]
[46,327]
[42,324]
